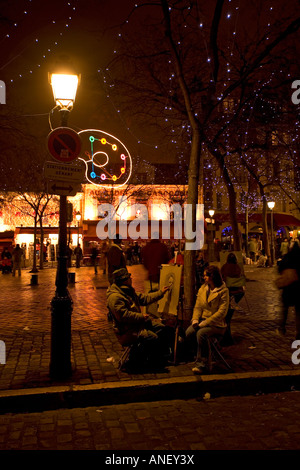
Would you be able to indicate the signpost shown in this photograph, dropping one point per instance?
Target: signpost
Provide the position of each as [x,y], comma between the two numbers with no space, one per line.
[64,144]
[64,176]
[64,172]
[61,188]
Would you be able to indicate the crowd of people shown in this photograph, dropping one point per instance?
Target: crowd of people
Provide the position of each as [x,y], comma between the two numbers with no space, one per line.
[142,328]
[11,261]
[136,320]
[219,290]
[257,254]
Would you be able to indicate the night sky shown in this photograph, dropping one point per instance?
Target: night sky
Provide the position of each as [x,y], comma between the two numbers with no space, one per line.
[34,34]
[44,31]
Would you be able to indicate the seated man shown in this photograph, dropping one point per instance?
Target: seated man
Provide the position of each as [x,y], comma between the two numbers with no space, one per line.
[132,327]
[208,316]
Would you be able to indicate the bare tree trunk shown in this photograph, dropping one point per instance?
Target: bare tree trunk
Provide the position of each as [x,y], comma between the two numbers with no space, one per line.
[189,255]
[232,201]
[34,268]
[233,220]
[195,156]
[246,229]
[41,245]
[265,226]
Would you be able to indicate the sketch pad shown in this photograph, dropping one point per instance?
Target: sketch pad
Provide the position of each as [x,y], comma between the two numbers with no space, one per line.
[170,275]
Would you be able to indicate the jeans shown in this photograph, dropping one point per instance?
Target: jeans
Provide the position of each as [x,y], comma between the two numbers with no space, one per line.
[198,338]
[284,315]
[152,346]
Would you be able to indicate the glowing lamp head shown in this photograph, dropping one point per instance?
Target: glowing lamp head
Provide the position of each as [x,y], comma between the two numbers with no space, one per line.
[271,205]
[211,212]
[64,87]
[78,216]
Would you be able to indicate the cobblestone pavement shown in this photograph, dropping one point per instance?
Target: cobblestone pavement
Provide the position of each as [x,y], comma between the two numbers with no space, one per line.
[25,327]
[265,422]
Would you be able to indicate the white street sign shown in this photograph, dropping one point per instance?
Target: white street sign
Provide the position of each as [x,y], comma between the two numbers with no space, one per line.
[64,172]
[62,188]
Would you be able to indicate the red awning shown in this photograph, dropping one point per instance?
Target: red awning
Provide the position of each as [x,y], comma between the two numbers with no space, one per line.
[280,219]
[7,235]
[286,220]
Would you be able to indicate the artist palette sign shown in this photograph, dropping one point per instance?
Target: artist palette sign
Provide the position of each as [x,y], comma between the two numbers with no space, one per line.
[107,160]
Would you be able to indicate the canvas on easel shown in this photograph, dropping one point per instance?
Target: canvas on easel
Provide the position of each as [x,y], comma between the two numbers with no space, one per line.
[170,275]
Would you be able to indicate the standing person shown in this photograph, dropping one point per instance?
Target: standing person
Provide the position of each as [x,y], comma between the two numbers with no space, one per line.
[94,255]
[128,254]
[154,254]
[208,316]
[136,253]
[104,250]
[78,254]
[284,247]
[200,266]
[115,257]
[17,259]
[69,255]
[252,249]
[6,261]
[289,266]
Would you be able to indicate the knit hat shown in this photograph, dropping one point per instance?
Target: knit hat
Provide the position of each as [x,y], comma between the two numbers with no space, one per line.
[120,275]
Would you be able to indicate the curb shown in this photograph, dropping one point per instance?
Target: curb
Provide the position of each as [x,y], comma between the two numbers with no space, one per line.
[112,393]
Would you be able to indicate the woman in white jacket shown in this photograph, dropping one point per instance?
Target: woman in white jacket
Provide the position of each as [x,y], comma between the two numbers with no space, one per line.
[208,316]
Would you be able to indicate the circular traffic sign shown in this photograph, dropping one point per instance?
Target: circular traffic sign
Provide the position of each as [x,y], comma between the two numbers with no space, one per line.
[64,144]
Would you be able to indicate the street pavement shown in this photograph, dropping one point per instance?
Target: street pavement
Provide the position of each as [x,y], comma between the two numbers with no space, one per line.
[261,361]
[260,422]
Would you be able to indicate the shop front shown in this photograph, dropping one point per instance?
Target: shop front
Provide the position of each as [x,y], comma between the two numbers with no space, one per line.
[24,236]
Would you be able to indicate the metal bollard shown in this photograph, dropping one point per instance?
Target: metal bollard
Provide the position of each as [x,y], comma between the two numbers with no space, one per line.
[71,277]
[34,279]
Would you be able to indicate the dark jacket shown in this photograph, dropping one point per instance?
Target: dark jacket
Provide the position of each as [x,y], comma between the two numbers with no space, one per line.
[125,304]
[290,294]
[154,254]
[115,260]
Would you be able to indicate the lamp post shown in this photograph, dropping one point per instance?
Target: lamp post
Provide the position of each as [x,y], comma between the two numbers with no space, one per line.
[64,88]
[78,218]
[271,205]
[211,249]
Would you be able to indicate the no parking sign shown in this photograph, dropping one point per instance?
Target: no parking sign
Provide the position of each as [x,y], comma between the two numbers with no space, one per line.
[64,144]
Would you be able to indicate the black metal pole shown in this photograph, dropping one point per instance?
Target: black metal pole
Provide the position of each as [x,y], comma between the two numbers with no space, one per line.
[61,304]
[272,240]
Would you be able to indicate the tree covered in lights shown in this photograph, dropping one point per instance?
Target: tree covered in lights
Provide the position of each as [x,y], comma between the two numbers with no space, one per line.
[22,181]
[195,74]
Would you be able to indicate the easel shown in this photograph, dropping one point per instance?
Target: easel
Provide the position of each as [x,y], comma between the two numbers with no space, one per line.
[178,323]
[176,305]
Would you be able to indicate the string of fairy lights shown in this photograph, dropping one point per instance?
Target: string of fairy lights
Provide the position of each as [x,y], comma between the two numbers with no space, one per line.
[27,15]
[261,86]
[231,18]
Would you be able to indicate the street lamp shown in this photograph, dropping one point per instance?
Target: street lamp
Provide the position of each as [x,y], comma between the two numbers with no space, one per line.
[211,252]
[271,205]
[64,88]
[78,218]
